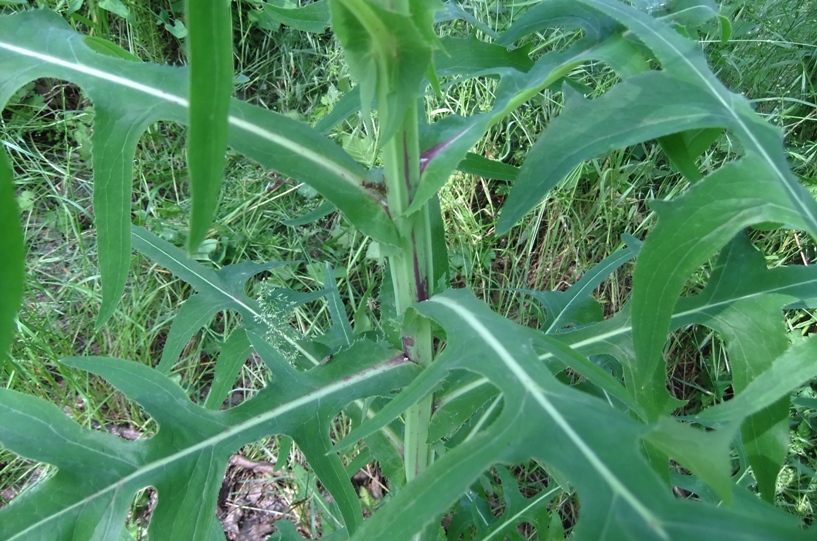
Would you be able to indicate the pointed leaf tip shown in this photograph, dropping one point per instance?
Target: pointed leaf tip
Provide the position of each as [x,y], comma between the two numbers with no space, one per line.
[210,82]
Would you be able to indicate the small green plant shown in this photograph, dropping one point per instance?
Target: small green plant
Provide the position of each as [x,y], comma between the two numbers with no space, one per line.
[441,388]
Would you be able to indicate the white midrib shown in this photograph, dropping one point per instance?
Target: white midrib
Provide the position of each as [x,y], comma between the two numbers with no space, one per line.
[228,433]
[318,159]
[311,358]
[723,101]
[513,519]
[538,394]
[229,295]
[628,329]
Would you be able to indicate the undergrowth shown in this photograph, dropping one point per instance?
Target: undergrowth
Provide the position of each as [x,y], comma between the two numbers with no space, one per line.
[771,59]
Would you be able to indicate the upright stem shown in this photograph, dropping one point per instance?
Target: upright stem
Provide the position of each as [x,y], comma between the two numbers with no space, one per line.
[412,272]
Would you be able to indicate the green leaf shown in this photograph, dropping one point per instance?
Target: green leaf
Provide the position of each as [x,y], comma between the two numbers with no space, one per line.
[573,437]
[706,454]
[688,13]
[194,313]
[386,445]
[460,397]
[647,106]
[457,57]
[448,141]
[576,306]
[723,296]
[594,373]
[687,62]
[683,150]
[755,336]
[12,271]
[313,17]
[683,65]
[323,210]
[210,40]
[103,46]
[725,27]
[689,231]
[345,107]
[517,509]
[786,374]
[751,325]
[223,289]
[470,57]
[452,11]
[128,97]
[618,53]
[234,353]
[186,459]
[116,7]
[387,52]
[337,311]
[719,305]
[474,164]
[51,510]
[286,531]
[203,280]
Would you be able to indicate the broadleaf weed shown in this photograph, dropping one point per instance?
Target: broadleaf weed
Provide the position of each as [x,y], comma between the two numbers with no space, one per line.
[473,351]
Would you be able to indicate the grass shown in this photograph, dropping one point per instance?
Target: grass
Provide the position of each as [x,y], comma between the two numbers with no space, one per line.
[772,60]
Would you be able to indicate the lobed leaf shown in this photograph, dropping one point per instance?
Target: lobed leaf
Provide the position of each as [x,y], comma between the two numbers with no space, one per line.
[234,353]
[684,78]
[452,11]
[572,437]
[576,306]
[448,141]
[186,459]
[643,107]
[688,232]
[740,300]
[217,290]
[685,106]
[517,509]
[786,374]
[130,96]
